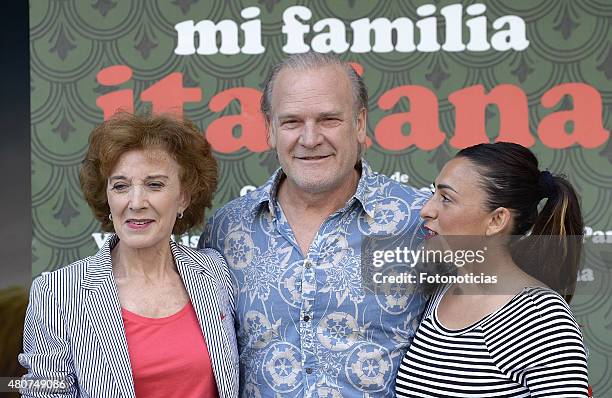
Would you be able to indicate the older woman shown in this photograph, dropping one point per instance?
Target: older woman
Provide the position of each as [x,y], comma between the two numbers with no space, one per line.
[144,316]
[515,337]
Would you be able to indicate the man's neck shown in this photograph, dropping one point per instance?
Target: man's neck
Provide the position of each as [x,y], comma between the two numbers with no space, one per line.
[306,211]
[317,203]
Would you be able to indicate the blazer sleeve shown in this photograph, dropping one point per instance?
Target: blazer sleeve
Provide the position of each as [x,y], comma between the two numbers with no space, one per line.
[209,239]
[225,276]
[46,348]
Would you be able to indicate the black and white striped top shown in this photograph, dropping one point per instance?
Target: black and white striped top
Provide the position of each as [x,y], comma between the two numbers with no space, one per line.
[530,347]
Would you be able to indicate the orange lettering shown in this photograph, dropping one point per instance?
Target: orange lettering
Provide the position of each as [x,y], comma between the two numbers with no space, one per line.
[470,107]
[253,130]
[586,116]
[118,100]
[423,119]
[169,94]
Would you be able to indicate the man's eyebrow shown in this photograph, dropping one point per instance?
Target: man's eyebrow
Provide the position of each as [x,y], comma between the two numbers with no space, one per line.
[287,116]
[330,114]
[444,186]
[321,115]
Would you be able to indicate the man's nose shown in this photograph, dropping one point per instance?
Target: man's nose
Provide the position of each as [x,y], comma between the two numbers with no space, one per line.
[311,136]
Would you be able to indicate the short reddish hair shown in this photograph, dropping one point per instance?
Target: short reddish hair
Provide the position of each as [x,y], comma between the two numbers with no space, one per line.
[178,137]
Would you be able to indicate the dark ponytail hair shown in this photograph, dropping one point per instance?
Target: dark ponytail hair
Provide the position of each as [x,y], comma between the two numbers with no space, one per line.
[512,179]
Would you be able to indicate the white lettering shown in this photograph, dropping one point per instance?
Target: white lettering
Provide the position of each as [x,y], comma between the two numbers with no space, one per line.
[246,189]
[514,38]
[400,177]
[185,39]
[332,41]
[207,33]
[100,238]
[252,31]
[185,240]
[427,29]
[295,30]
[597,236]
[586,275]
[378,35]
[382,27]
[478,28]
[454,29]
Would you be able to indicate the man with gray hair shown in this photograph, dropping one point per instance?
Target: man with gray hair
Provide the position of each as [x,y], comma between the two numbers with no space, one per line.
[308,323]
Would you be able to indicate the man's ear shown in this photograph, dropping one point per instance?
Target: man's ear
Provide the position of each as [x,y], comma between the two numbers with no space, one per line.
[270,134]
[500,220]
[362,126]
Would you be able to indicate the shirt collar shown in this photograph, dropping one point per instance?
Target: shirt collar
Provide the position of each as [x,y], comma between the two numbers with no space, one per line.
[367,192]
[268,191]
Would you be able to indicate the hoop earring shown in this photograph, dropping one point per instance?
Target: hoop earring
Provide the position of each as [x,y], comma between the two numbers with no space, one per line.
[110,216]
[180,215]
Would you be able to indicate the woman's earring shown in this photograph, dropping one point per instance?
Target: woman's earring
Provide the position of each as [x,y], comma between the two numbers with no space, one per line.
[180,215]
[110,216]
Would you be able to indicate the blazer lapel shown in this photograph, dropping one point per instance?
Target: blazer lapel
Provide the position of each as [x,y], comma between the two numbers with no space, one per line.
[203,292]
[104,313]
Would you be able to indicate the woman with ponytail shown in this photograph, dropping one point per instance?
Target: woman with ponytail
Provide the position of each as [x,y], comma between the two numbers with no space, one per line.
[508,331]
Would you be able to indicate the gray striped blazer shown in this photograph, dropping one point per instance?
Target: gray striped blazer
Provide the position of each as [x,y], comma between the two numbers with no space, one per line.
[74,330]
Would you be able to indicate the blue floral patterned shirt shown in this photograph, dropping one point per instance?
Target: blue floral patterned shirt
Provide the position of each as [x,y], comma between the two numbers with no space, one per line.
[308,325]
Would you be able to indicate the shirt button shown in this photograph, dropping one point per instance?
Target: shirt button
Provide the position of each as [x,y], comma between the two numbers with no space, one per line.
[309,370]
[307,264]
[306,318]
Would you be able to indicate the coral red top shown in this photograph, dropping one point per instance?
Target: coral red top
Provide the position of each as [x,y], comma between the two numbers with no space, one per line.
[169,356]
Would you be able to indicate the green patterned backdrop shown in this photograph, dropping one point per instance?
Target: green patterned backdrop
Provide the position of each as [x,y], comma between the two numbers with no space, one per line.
[71,41]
